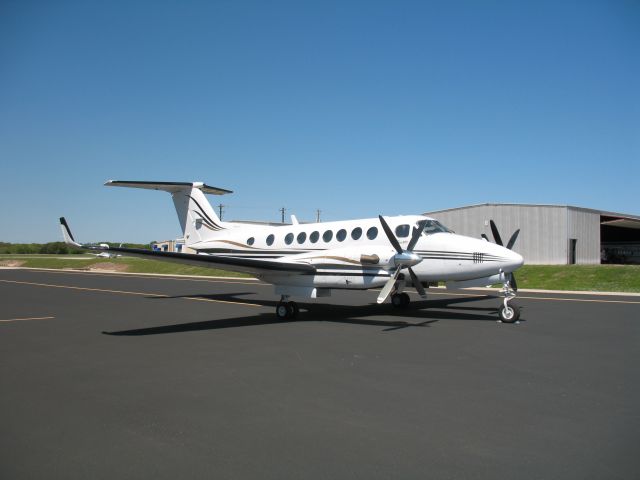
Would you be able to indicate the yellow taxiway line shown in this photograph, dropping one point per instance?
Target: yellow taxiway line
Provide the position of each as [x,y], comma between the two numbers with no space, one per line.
[124,292]
[232,282]
[25,319]
[559,299]
[159,276]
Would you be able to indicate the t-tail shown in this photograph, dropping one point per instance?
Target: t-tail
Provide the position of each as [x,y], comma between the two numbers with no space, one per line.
[197,219]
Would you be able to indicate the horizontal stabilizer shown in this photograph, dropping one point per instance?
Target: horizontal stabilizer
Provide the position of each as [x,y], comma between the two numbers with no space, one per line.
[170,187]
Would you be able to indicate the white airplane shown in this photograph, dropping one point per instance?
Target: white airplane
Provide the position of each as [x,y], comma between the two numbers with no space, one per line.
[105,254]
[309,260]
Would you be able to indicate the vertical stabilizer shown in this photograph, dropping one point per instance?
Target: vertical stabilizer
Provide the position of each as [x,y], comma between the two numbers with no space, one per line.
[197,218]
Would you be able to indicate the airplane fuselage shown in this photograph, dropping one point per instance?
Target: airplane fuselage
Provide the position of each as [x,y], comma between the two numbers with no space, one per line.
[357,254]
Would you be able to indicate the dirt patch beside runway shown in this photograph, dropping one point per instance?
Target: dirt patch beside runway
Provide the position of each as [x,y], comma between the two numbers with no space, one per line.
[108,266]
[11,263]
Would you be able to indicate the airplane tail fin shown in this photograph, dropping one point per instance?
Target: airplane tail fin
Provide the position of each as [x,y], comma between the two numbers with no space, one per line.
[197,218]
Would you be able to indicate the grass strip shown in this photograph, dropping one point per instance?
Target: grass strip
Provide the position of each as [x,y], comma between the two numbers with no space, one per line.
[125,264]
[598,278]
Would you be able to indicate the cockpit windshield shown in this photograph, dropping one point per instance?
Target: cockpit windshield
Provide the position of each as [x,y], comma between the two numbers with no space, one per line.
[433,226]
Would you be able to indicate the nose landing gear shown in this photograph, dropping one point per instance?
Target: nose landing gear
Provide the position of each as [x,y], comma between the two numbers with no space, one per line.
[509,311]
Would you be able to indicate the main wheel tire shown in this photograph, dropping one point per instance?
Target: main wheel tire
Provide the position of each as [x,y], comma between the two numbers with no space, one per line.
[396,300]
[406,300]
[295,310]
[400,300]
[510,314]
[283,310]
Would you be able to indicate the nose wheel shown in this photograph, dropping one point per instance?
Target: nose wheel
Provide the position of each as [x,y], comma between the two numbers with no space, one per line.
[509,311]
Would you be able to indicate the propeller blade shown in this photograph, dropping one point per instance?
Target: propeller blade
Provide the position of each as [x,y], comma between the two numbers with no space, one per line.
[416,283]
[392,238]
[513,238]
[386,290]
[417,231]
[485,237]
[513,282]
[496,235]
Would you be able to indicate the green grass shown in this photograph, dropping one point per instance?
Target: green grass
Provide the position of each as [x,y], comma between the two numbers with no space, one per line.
[133,265]
[600,278]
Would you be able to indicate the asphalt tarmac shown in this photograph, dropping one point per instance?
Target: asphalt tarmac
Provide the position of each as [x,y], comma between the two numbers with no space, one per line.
[120,376]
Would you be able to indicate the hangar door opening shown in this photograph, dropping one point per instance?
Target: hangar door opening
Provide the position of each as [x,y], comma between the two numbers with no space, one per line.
[619,240]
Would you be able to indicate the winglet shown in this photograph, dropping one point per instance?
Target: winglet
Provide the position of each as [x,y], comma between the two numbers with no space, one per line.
[66,233]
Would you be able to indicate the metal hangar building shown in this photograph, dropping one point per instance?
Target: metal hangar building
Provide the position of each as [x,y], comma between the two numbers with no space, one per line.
[552,234]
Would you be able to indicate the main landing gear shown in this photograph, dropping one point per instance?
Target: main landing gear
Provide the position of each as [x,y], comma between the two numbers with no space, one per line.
[400,300]
[509,311]
[286,310]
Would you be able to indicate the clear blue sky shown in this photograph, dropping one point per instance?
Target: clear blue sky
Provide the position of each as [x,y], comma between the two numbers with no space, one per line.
[355,108]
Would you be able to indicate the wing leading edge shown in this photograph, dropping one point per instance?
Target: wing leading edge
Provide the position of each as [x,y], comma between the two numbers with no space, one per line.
[245,265]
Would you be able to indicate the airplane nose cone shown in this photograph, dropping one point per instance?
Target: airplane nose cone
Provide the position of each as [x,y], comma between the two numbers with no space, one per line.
[514,261]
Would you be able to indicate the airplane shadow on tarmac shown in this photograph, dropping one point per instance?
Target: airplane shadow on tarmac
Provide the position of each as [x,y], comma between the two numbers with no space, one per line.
[429,311]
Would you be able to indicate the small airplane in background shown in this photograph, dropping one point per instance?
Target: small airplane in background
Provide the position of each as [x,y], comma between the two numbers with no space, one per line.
[105,254]
[309,260]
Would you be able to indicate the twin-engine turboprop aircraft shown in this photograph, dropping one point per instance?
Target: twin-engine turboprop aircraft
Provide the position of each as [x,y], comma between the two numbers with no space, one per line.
[309,260]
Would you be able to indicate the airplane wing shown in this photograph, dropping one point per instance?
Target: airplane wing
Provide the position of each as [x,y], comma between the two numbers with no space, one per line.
[245,265]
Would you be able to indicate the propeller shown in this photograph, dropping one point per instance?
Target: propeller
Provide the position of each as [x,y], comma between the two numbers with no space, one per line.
[402,259]
[510,243]
[498,239]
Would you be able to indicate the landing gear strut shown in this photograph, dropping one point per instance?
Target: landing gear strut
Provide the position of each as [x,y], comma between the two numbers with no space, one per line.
[509,311]
[286,309]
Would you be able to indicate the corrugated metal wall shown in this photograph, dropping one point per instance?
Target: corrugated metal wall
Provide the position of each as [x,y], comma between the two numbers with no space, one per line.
[545,229]
[585,227]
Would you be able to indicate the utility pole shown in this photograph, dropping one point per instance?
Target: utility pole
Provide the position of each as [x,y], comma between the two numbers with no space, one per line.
[282,210]
[318,215]
[220,207]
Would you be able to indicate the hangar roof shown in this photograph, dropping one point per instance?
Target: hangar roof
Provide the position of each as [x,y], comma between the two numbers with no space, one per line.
[615,219]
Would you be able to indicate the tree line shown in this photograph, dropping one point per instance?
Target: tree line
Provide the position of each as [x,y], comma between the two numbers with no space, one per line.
[55,248]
